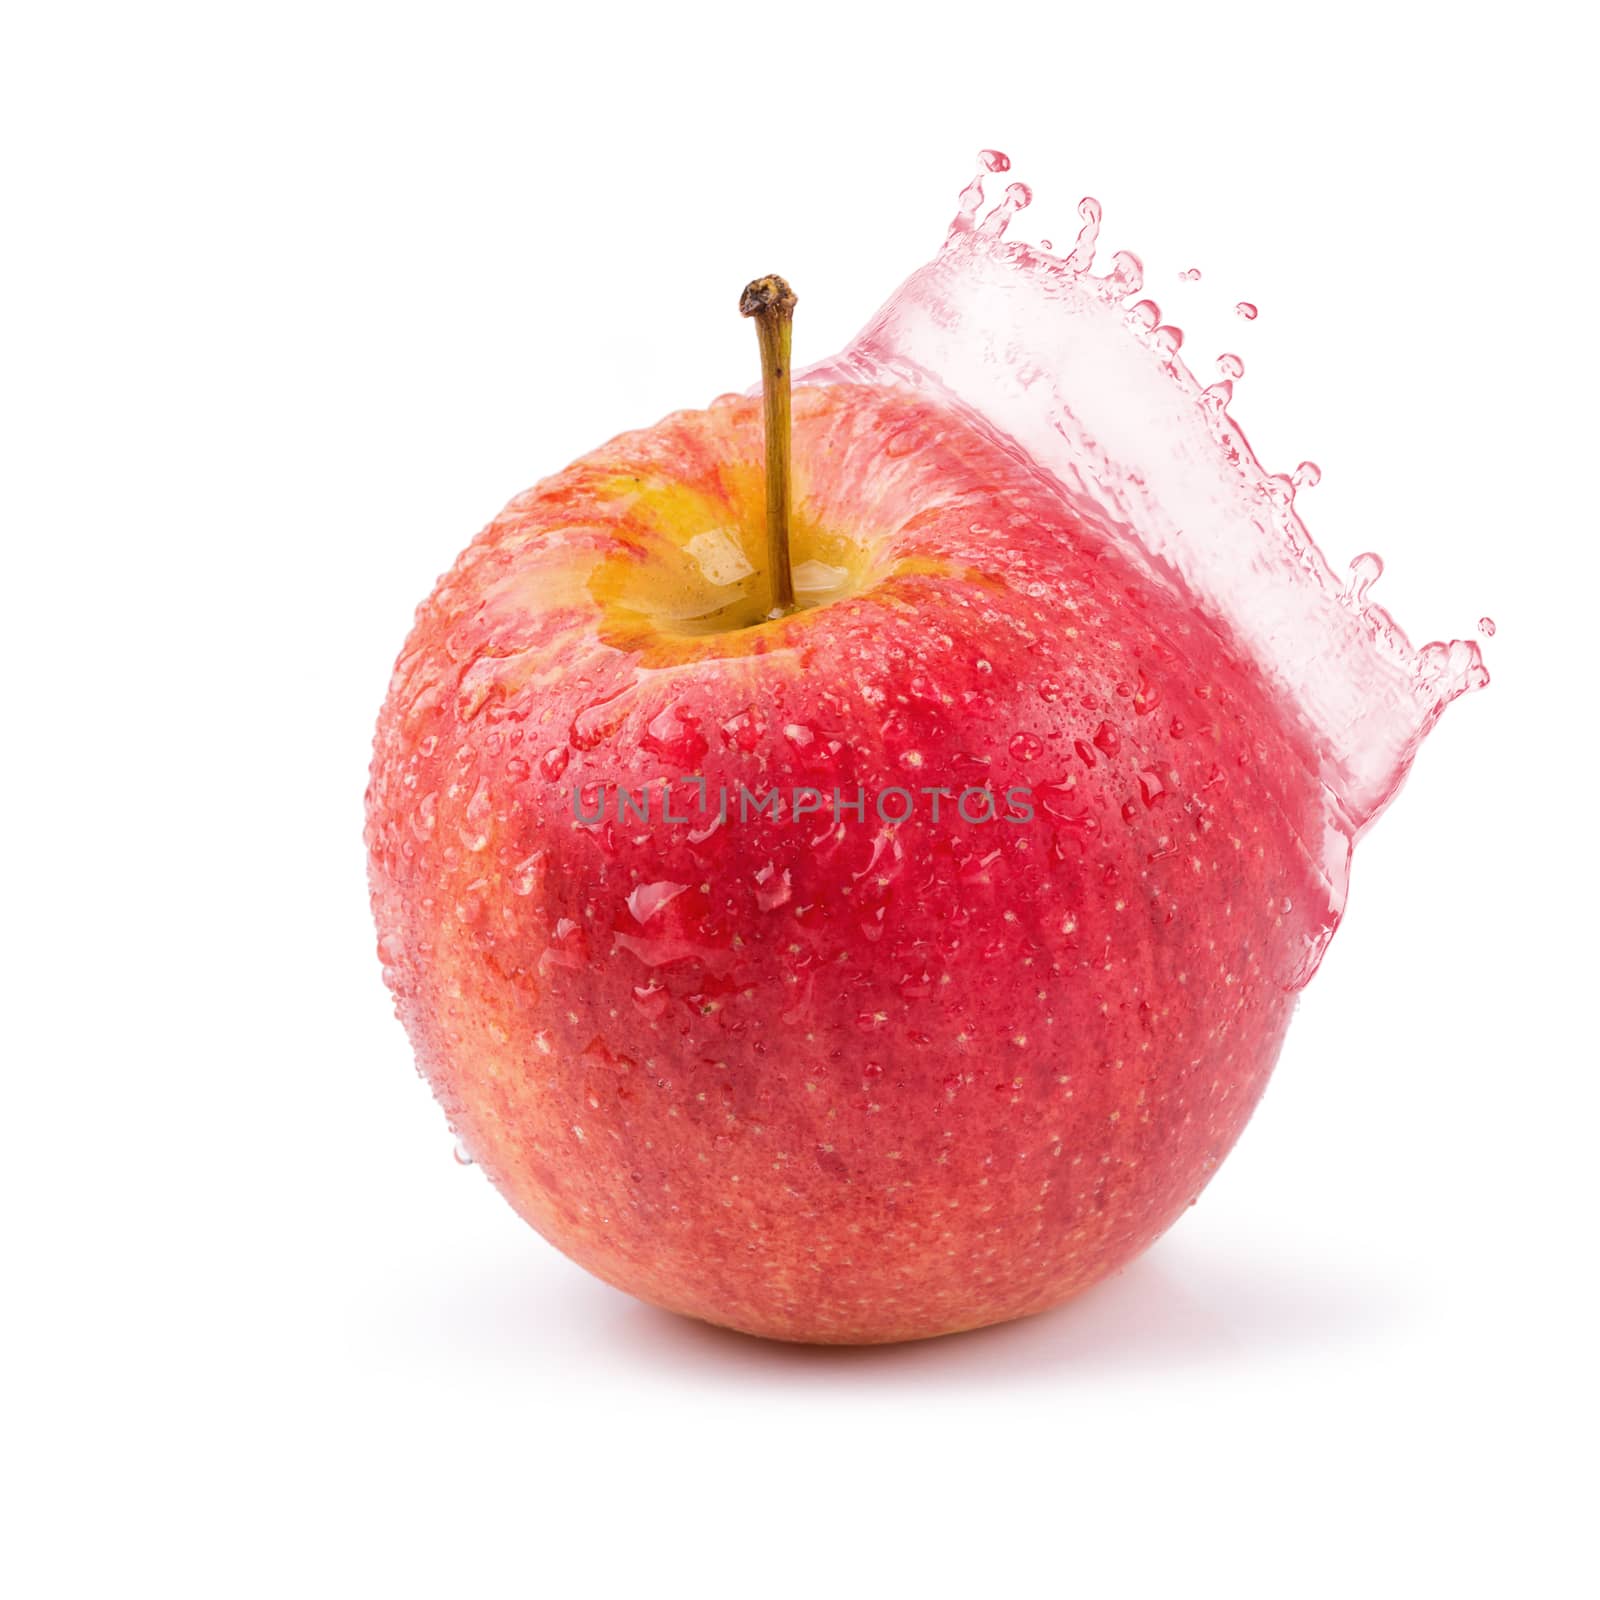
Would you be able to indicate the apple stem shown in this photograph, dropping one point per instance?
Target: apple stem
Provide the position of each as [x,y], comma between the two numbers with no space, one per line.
[771,302]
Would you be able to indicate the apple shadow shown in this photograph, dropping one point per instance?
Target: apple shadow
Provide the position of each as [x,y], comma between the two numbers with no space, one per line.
[1178,1307]
[1154,1315]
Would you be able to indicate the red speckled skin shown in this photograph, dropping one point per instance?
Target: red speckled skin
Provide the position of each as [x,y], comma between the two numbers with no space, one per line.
[838,1082]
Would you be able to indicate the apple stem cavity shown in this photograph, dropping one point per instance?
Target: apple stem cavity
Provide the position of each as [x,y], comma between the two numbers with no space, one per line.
[770,301]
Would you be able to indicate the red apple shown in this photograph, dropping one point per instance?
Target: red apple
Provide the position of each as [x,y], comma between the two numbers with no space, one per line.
[825,1076]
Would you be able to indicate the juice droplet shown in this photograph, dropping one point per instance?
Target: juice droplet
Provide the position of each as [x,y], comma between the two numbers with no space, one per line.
[967,204]
[1189,275]
[1246,310]
[1307,475]
[1365,571]
[1486,627]
[1168,340]
[1230,366]
[1127,274]
[970,201]
[1082,257]
[1016,198]
[1045,244]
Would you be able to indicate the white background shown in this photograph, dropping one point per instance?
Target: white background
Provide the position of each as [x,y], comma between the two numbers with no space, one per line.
[295,297]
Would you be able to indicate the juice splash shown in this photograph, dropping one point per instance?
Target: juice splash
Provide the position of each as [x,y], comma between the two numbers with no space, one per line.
[1080,371]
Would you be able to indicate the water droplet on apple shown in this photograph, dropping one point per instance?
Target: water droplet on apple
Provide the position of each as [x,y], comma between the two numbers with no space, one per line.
[743,731]
[526,874]
[1151,788]
[1107,739]
[646,900]
[568,948]
[1026,747]
[674,733]
[475,833]
[817,582]
[423,818]
[596,723]
[773,888]
[1061,802]
[652,999]
[462,1156]
[554,762]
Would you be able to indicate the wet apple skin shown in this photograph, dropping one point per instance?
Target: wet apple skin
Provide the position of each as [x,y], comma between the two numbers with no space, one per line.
[838,1082]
